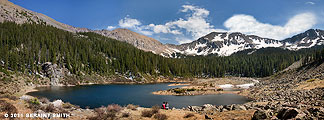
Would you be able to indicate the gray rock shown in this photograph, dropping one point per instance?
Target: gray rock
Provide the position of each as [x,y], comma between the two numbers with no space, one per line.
[54,72]
[287,113]
[207,117]
[259,115]
[195,108]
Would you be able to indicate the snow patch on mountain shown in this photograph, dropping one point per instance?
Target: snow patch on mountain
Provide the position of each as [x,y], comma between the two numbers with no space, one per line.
[226,43]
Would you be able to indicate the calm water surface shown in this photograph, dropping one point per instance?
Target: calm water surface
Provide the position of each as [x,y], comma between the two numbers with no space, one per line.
[102,95]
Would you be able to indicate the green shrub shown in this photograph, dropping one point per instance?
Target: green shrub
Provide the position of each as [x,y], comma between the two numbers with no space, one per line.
[219,89]
[179,90]
[191,89]
[34,104]
[34,101]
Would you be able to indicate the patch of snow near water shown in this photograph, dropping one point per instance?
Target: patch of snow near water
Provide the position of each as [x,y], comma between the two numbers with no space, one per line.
[245,86]
[226,86]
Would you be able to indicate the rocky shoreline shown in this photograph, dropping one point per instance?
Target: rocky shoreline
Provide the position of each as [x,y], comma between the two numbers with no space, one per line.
[229,85]
[292,94]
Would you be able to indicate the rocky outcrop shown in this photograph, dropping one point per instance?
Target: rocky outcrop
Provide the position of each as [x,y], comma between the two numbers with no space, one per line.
[140,41]
[54,72]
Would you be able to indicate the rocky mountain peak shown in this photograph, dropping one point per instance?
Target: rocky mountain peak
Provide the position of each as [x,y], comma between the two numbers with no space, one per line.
[225,43]
[20,15]
[307,39]
[220,43]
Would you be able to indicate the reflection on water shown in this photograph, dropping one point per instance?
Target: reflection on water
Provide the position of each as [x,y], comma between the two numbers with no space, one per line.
[102,95]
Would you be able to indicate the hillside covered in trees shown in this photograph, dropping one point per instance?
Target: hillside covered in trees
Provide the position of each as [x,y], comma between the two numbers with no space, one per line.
[26,47]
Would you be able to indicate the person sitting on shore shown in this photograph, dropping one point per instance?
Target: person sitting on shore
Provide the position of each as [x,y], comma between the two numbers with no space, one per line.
[163,105]
[166,105]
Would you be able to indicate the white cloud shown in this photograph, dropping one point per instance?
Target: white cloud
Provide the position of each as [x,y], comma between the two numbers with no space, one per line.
[310,3]
[144,32]
[129,23]
[249,25]
[164,29]
[182,40]
[134,24]
[111,27]
[196,25]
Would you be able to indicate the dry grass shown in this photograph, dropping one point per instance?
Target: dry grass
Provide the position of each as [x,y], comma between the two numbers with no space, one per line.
[44,100]
[67,105]
[132,107]
[106,113]
[125,115]
[310,84]
[147,113]
[233,115]
[34,104]
[7,108]
[160,116]
[189,115]
[11,97]
[114,108]
[50,108]
[155,109]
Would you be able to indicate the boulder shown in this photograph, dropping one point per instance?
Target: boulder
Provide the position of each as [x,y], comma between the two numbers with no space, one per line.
[208,107]
[26,97]
[207,117]
[287,113]
[259,115]
[58,103]
[195,108]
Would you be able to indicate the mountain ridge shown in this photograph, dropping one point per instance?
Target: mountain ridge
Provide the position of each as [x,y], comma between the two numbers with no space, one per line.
[227,43]
[219,43]
[12,12]
[138,40]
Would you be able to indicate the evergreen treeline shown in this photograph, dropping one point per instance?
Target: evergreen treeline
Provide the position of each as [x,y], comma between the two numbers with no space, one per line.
[25,47]
[316,57]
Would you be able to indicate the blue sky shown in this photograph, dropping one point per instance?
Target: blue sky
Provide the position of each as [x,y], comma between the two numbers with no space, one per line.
[181,21]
